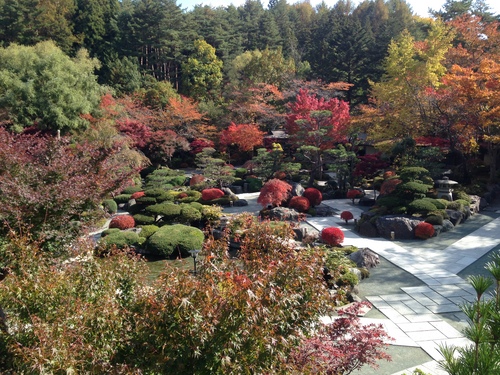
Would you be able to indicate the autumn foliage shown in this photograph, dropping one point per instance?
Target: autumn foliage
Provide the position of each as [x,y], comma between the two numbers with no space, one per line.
[122,222]
[313,195]
[300,204]
[388,186]
[245,136]
[346,215]
[274,193]
[424,231]
[211,194]
[332,236]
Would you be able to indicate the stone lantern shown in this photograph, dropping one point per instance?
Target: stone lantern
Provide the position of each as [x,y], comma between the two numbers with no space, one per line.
[445,188]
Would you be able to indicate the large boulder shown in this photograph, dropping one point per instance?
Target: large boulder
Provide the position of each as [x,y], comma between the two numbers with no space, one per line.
[402,226]
[281,214]
[324,210]
[240,203]
[365,258]
[456,217]
[367,229]
[475,204]
[297,189]
[447,226]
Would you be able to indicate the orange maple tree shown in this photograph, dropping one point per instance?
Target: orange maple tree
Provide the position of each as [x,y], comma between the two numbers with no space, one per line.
[245,136]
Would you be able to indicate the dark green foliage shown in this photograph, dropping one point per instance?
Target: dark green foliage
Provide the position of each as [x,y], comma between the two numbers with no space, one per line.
[110,206]
[415,174]
[439,213]
[189,214]
[224,201]
[174,241]
[141,219]
[455,205]
[411,190]
[154,192]
[434,219]
[390,202]
[400,210]
[168,211]
[148,230]
[460,194]
[146,200]
[104,233]
[121,239]
[421,206]
[192,196]
[439,203]
[131,189]
[254,184]
[240,172]
[463,202]
[122,198]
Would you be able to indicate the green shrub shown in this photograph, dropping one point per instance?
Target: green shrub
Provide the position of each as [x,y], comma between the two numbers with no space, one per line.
[146,200]
[442,213]
[168,211]
[148,230]
[122,198]
[141,219]
[400,210]
[189,214]
[389,202]
[223,201]
[166,172]
[175,240]
[434,219]
[192,196]
[110,206]
[154,192]
[254,184]
[212,214]
[108,231]
[461,195]
[421,206]
[408,174]
[240,172]
[411,190]
[455,205]
[132,189]
[121,239]
[463,202]
[197,205]
[347,279]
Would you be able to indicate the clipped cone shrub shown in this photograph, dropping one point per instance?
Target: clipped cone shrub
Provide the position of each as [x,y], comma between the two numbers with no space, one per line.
[424,231]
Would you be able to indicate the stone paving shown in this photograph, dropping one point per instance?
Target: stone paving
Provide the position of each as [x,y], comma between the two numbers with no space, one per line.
[412,315]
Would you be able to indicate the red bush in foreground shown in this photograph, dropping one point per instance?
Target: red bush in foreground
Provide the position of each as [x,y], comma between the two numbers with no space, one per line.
[332,236]
[314,195]
[273,193]
[210,194]
[424,231]
[300,204]
[346,215]
[122,222]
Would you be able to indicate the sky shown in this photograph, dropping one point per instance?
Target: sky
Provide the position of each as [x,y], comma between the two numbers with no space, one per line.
[419,7]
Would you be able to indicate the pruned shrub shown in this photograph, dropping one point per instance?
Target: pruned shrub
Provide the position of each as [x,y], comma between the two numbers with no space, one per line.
[167,210]
[155,192]
[121,239]
[439,203]
[442,213]
[421,206]
[196,179]
[189,196]
[332,236]
[122,198]
[148,230]
[132,189]
[211,194]
[254,184]
[122,222]
[240,172]
[274,193]
[300,204]
[196,205]
[424,230]
[390,202]
[314,195]
[346,215]
[226,200]
[389,186]
[141,219]
[434,219]
[146,201]
[460,194]
[354,194]
[137,195]
[412,190]
[212,214]
[175,241]
[189,214]
[110,206]
[108,231]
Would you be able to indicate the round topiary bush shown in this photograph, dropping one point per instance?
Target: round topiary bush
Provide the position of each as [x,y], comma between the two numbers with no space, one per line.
[122,222]
[175,241]
[197,205]
[141,219]
[167,210]
[346,215]
[300,204]
[189,214]
[314,195]
[434,219]
[211,194]
[121,239]
[148,230]
[332,236]
[424,231]
[189,196]
[110,206]
[421,206]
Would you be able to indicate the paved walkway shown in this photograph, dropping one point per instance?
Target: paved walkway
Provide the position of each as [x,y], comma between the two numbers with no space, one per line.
[412,315]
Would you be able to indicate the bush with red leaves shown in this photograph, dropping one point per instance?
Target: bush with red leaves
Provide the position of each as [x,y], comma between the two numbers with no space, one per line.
[346,215]
[388,186]
[137,195]
[196,179]
[274,193]
[424,231]
[182,195]
[314,195]
[122,222]
[332,236]
[389,174]
[300,204]
[210,194]
[354,194]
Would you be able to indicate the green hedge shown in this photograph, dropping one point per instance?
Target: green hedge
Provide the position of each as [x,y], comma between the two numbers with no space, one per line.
[168,211]
[110,206]
[121,239]
[141,219]
[175,241]
[189,214]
